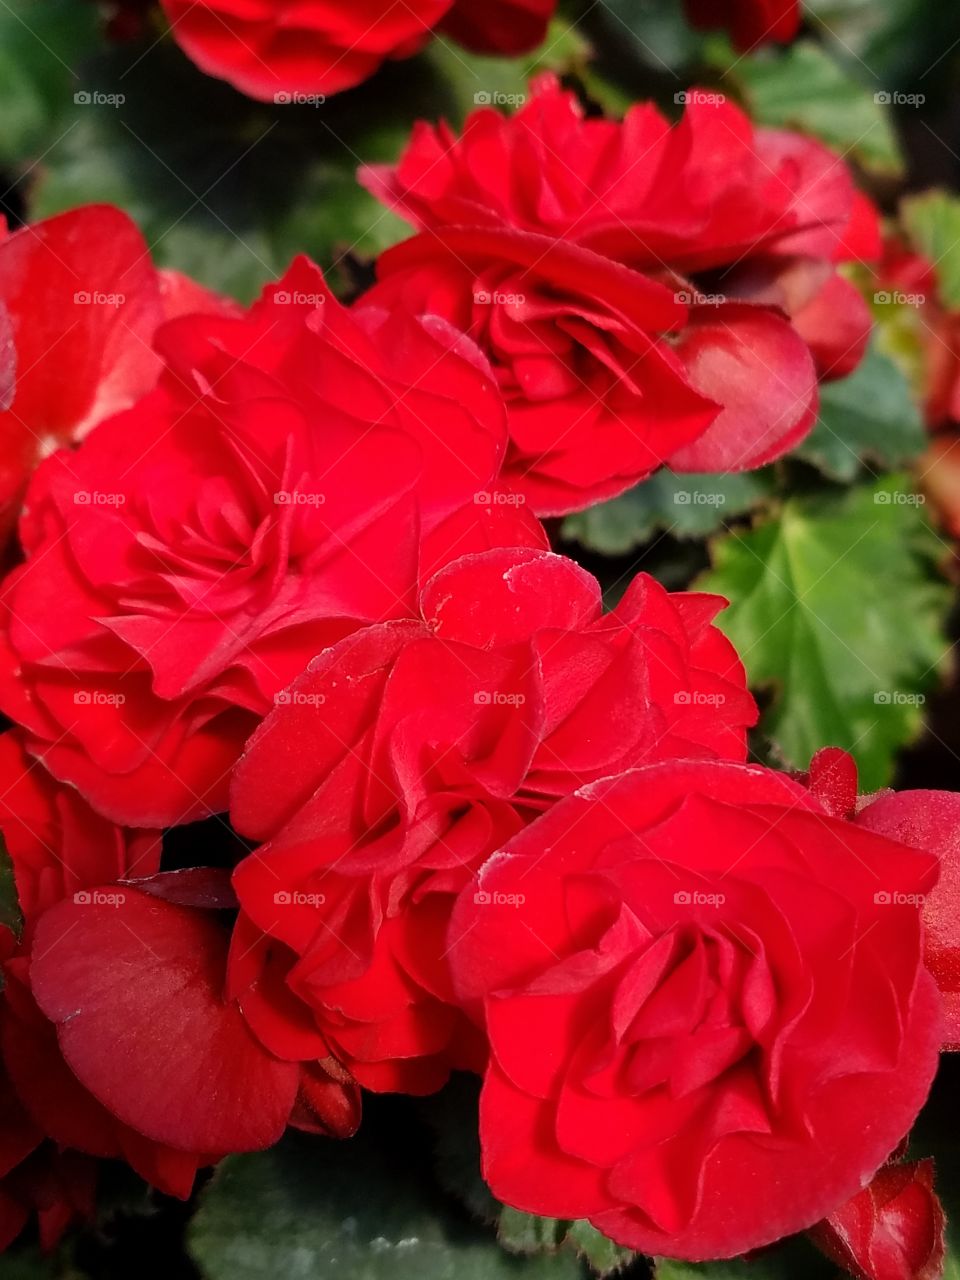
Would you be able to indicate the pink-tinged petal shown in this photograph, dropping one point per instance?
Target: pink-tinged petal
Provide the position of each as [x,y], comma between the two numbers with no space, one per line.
[754,364]
[930,821]
[836,326]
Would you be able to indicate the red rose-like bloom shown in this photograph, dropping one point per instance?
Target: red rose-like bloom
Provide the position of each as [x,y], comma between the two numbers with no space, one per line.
[275,49]
[117,983]
[78,296]
[289,478]
[749,22]
[645,293]
[409,752]
[891,1230]
[701,992]
[506,27]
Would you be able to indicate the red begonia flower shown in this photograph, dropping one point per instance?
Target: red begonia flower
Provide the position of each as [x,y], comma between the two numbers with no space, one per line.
[290,478]
[409,752]
[694,986]
[645,293]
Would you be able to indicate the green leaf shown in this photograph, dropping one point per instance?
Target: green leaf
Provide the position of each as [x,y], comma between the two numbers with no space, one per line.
[906,44]
[869,416]
[687,506]
[794,1259]
[935,1134]
[603,1255]
[39,41]
[453,1117]
[804,88]
[470,80]
[521,1232]
[10,915]
[224,188]
[353,1210]
[652,35]
[932,221]
[28,1263]
[848,659]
